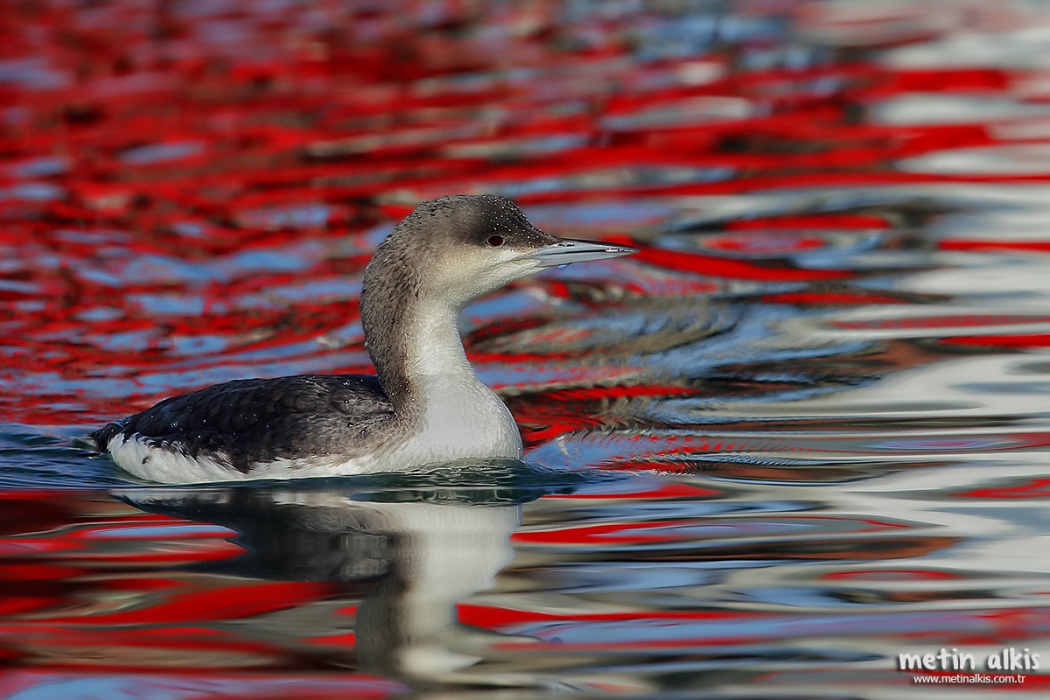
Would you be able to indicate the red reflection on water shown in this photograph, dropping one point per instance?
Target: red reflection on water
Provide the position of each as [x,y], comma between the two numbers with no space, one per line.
[301,129]
[1035,488]
[1024,340]
[148,154]
[728,268]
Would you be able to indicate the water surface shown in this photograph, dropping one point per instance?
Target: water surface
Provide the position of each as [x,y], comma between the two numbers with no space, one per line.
[802,432]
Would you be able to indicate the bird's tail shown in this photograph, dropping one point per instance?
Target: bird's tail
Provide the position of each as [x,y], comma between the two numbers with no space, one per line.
[100,439]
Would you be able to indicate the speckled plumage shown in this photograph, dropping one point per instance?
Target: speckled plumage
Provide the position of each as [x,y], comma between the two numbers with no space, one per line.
[425,405]
[253,421]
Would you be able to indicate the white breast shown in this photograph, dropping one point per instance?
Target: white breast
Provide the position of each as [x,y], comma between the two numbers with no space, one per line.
[460,422]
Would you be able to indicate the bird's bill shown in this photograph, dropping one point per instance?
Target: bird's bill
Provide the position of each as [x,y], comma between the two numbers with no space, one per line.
[567,251]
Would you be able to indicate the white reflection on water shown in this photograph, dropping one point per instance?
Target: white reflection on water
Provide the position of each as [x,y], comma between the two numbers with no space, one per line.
[421,552]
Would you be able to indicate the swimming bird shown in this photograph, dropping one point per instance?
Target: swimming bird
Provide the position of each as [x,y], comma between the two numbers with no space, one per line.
[424,405]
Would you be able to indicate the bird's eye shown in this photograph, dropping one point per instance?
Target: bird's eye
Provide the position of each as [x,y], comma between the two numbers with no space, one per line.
[495,241]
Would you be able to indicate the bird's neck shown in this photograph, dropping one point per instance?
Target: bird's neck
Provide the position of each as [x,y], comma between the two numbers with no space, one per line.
[418,353]
[444,410]
[433,356]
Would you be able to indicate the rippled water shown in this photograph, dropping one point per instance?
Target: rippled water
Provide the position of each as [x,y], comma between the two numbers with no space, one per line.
[802,432]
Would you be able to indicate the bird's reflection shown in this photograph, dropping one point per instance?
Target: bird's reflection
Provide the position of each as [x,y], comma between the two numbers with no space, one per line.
[423,542]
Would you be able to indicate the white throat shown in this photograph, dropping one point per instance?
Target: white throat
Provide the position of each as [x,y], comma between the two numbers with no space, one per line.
[453,414]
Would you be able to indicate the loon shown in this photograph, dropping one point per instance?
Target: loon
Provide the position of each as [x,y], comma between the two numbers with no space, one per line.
[425,404]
